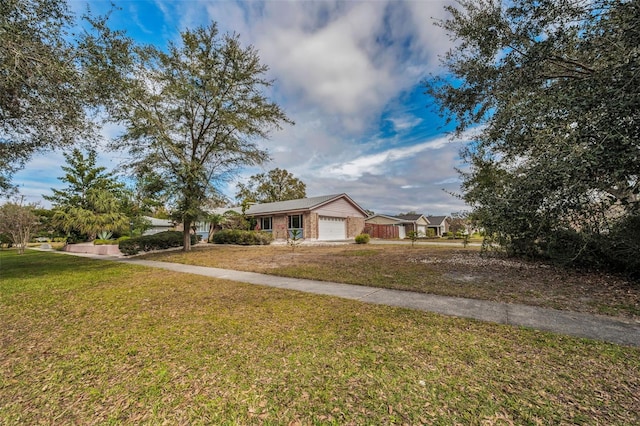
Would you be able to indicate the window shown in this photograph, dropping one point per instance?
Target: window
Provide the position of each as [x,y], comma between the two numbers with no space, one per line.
[295,221]
[265,223]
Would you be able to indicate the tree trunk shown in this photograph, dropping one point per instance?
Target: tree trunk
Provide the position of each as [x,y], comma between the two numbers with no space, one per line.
[186,235]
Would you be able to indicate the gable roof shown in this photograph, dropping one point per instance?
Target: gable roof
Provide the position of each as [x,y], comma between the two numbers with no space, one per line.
[402,218]
[436,220]
[410,217]
[291,205]
[299,205]
[154,221]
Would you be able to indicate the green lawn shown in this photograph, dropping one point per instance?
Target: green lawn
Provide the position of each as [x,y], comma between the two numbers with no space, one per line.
[95,342]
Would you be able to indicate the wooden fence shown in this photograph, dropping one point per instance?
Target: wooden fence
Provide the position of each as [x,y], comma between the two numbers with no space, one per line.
[381,231]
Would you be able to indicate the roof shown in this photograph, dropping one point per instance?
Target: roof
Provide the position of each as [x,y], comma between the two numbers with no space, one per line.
[436,220]
[302,204]
[159,222]
[223,210]
[388,216]
[410,217]
[291,205]
[402,218]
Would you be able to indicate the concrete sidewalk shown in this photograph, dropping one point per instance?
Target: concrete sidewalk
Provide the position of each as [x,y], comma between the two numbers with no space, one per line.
[563,322]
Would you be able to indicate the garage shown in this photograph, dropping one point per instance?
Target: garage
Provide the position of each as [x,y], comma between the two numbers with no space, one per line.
[331,228]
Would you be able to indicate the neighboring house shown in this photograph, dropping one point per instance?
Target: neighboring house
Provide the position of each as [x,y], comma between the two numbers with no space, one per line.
[158,225]
[327,217]
[440,224]
[404,224]
[417,223]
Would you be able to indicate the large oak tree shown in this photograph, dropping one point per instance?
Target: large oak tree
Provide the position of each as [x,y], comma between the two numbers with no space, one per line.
[55,70]
[553,89]
[195,112]
[276,185]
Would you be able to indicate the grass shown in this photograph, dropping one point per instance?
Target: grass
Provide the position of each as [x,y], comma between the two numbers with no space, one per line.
[444,270]
[96,342]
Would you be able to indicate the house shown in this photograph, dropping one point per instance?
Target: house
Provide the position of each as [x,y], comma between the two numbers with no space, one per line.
[157,225]
[327,217]
[387,226]
[417,222]
[439,224]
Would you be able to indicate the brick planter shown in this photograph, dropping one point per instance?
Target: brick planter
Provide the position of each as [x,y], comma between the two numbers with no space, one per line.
[107,249]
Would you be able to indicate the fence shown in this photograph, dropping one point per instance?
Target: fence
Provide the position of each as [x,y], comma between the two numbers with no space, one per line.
[381,231]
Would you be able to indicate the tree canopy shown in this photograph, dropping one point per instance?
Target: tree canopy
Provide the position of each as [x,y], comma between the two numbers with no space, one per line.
[92,201]
[553,90]
[276,185]
[195,112]
[52,75]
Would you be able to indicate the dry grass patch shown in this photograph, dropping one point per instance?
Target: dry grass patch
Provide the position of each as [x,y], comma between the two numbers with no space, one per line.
[440,270]
[94,342]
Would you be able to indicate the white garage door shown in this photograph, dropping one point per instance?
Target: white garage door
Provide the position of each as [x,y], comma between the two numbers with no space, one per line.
[331,228]
[422,230]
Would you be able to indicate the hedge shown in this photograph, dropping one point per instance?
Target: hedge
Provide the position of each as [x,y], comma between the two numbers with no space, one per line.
[159,241]
[244,238]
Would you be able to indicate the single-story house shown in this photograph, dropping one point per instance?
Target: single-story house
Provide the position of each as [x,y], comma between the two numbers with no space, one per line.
[404,223]
[439,224]
[418,223]
[157,225]
[327,217]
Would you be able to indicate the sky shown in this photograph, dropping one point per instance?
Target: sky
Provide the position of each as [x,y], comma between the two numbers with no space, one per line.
[348,73]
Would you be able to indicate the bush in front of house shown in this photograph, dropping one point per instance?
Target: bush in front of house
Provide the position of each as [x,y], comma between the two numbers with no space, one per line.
[159,241]
[243,238]
[103,242]
[362,239]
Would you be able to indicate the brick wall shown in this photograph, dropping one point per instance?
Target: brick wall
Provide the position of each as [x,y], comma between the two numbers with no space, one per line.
[355,226]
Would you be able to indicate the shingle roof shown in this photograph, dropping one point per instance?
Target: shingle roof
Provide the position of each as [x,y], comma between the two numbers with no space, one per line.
[411,217]
[407,218]
[158,222]
[223,210]
[291,205]
[436,220]
[301,204]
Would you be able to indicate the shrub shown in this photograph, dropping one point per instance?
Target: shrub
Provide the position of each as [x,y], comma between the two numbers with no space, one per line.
[622,246]
[102,242]
[159,241]
[244,238]
[362,239]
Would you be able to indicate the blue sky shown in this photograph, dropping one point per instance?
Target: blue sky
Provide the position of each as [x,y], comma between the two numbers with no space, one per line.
[347,73]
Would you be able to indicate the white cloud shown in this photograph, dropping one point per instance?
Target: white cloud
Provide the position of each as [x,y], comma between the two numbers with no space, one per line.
[404,122]
[380,163]
[340,68]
